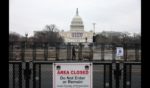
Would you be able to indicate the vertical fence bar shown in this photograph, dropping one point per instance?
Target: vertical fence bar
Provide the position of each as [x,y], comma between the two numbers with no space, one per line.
[104,76]
[136,52]
[127,75]
[34,75]
[80,52]
[22,51]
[39,75]
[57,51]
[113,52]
[34,51]
[110,75]
[45,51]
[91,52]
[68,51]
[130,71]
[125,51]
[27,75]
[20,75]
[107,76]
[102,51]
[124,75]
[13,75]
[117,75]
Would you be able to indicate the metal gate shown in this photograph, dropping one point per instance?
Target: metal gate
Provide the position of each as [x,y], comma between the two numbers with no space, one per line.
[38,74]
[132,75]
[43,77]
[15,74]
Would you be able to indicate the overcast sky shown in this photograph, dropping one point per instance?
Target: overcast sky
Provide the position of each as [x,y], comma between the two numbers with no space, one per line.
[26,16]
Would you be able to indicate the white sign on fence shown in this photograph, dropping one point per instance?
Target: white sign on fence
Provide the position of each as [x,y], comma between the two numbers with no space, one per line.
[72,75]
[119,51]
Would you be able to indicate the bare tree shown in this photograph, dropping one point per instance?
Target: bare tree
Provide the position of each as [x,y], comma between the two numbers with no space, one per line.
[13,36]
[49,34]
[117,37]
[100,38]
[51,28]
[137,38]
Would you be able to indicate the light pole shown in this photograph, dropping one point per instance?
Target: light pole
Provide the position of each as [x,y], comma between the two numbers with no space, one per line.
[94,29]
[94,32]
[94,40]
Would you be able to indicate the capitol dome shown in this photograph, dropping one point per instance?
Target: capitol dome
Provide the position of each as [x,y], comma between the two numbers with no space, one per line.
[77,34]
[77,23]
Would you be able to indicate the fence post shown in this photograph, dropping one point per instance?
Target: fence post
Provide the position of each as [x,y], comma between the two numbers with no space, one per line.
[13,76]
[113,52]
[57,51]
[117,74]
[34,75]
[20,75]
[136,52]
[108,75]
[68,51]
[46,51]
[125,51]
[80,52]
[124,75]
[34,51]
[91,53]
[27,74]
[102,51]
[127,75]
[22,51]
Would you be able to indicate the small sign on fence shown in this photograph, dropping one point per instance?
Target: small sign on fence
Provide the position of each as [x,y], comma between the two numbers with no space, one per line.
[119,51]
[72,75]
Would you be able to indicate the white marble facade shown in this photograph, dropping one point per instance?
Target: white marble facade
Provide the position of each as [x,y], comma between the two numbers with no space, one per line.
[77,36]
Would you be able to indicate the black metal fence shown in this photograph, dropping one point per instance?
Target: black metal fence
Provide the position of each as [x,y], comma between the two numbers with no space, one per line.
[30,64]
[44,75]
[15,74]
[132,75]
[84,51]
[38,74]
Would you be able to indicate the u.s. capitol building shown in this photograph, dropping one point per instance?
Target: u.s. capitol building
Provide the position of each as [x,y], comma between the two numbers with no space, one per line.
[77,34]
